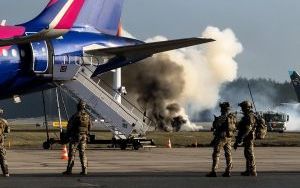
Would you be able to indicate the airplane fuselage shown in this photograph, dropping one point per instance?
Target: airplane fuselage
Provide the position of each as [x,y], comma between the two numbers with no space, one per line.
[28,67]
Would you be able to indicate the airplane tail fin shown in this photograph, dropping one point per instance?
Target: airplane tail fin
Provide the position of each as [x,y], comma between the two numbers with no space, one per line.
[102,15]
[58,14]
[295,78]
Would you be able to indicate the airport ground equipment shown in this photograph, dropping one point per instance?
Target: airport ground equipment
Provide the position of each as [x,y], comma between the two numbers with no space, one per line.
[127,123]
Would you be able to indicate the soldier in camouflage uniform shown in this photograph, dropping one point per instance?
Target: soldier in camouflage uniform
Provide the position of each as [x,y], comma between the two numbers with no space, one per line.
[224,128]
[246,135]
[77,130]
[3,129]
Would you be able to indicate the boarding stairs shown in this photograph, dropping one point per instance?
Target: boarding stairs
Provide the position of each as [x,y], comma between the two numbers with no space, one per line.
[124,120]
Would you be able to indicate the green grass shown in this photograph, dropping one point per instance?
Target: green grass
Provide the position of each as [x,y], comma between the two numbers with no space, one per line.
[179,139]
[186,139]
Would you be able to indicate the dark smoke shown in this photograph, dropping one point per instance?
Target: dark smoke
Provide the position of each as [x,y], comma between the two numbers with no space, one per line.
[157,82]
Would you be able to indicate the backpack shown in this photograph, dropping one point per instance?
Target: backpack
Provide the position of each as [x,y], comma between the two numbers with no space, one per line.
[231,125]
[260,128]
[225,126]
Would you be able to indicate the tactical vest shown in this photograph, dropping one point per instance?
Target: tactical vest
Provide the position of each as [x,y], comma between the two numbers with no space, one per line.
[81,122]
[247,126]
[231,125]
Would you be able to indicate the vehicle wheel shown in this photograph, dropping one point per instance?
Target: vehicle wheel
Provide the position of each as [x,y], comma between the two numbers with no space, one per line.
[46,145]
[123,145]
[281,131]
[136,146]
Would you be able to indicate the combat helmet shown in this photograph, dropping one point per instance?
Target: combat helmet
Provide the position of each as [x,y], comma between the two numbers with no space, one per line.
[224,106]
[246,105]
[81,105]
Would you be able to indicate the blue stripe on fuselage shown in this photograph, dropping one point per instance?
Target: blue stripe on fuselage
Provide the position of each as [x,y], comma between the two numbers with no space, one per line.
[43,20]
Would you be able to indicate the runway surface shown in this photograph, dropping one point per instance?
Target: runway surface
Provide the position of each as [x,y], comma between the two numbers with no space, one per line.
[182,167]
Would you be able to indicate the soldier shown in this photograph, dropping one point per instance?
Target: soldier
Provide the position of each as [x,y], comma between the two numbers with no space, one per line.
[246,135]
[3,129]
[224,128]
[77,130]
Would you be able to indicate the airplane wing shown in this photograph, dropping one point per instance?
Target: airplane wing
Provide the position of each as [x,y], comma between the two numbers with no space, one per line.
[149,48]
[10,35]
[130,54]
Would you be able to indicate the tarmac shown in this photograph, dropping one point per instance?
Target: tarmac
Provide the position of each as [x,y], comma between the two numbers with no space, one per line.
[158,167]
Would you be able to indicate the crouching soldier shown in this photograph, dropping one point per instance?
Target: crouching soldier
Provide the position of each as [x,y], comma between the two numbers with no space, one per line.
[78,128]
[224,128]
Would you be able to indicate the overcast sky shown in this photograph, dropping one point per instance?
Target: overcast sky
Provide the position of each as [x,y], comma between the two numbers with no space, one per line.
[269,30]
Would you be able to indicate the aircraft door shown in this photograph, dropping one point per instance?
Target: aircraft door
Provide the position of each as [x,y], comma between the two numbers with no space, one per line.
[40,56]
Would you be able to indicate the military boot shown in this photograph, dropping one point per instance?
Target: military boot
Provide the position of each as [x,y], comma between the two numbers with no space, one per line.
[246,173]
[253,173]
[211,174]
[84,171]
[5,170]
[226,174]
[68,171]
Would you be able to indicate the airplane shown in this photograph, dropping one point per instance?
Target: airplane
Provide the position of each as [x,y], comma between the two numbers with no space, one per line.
[67,27]
[295,79]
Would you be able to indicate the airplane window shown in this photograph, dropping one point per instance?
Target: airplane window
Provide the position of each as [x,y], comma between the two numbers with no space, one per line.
[5,53]
[14,53]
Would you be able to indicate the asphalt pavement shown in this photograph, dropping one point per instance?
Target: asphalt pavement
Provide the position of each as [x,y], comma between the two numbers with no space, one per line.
[162,167]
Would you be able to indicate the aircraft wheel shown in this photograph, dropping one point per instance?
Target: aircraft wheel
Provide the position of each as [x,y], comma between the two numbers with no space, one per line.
[123,146]
[46,145]
[136,147]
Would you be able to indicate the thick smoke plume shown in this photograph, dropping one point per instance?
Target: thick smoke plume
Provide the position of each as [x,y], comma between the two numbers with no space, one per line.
[165,82]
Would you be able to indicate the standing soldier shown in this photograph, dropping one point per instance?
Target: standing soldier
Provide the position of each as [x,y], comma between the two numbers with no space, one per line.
[3,129]
[224,128]
[246,135]
[78,128]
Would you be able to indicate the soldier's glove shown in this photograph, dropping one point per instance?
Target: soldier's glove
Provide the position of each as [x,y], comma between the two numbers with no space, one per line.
[235,146]
[7,130]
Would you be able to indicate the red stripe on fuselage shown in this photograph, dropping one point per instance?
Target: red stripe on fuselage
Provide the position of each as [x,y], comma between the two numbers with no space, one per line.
[7,32]
[70,16]
[11,31]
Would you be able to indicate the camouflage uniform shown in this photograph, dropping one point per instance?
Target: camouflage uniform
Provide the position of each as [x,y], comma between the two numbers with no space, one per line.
[3,161]
[77,130]
[224,128]
[246,135]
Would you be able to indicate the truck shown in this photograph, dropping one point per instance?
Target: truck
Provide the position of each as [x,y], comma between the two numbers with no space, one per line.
[276,121]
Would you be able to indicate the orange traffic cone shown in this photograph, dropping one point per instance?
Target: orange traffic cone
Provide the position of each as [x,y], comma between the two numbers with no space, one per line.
[64,155]
[169,144]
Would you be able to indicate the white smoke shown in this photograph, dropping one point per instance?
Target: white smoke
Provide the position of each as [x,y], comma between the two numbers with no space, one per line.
[205,68]
[293,110]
